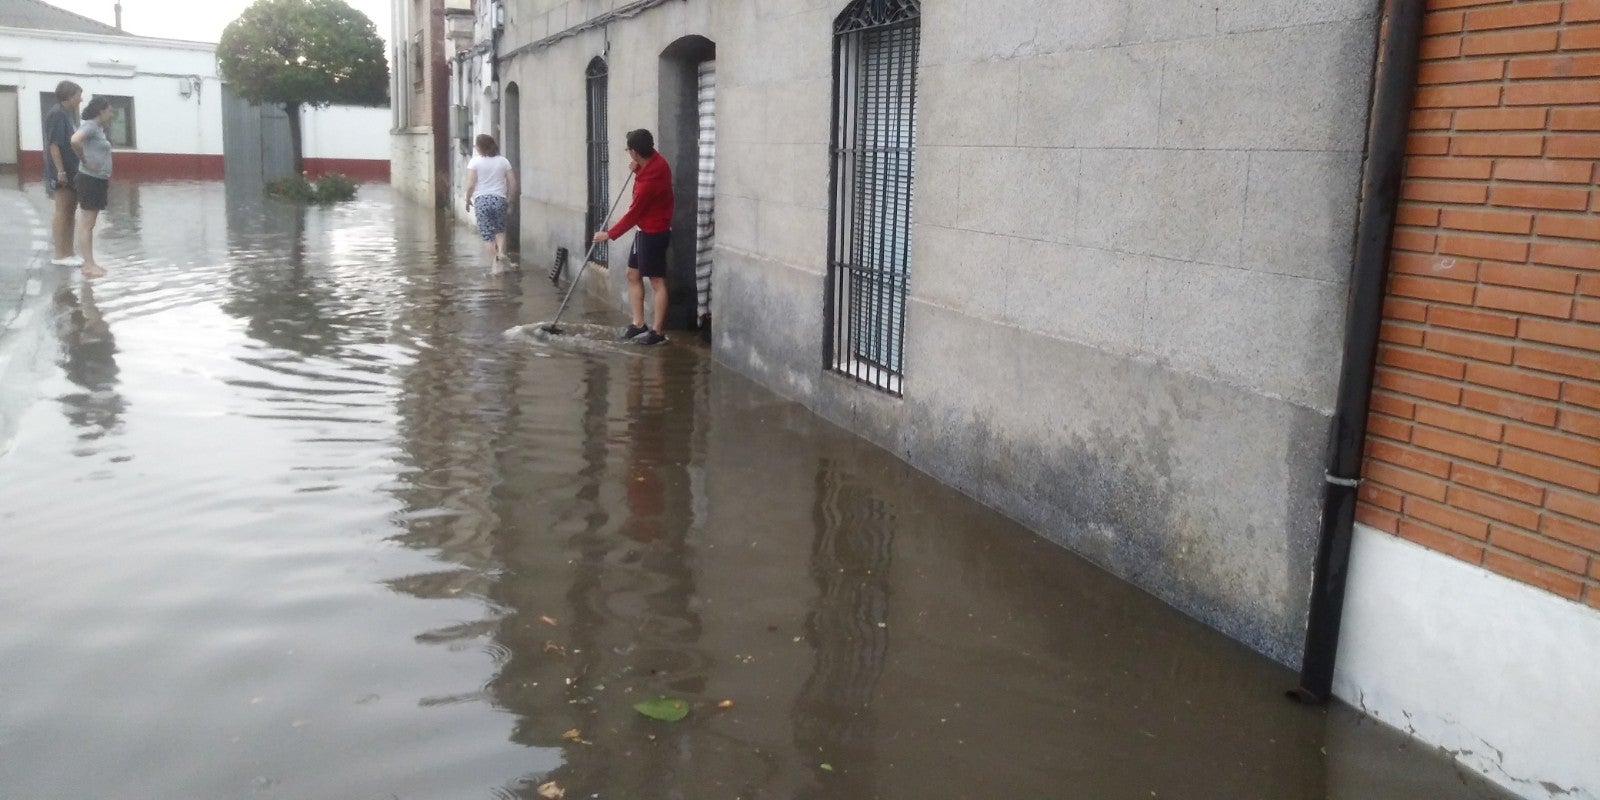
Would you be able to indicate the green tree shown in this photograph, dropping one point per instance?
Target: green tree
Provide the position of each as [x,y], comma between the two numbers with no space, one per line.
[304,53]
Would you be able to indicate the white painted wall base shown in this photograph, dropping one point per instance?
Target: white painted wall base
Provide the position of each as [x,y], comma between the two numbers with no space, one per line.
[411,164]
[1502,676]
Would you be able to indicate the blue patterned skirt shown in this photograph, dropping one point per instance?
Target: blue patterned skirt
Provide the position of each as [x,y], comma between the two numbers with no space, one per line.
[491,212]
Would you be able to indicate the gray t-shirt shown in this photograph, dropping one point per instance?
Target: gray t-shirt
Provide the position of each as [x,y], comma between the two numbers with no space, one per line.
[96,151]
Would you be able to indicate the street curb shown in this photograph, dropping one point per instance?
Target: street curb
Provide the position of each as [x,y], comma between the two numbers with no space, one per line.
[29,283]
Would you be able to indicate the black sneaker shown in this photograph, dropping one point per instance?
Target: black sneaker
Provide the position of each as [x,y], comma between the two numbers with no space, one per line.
[631,331]
[650,337]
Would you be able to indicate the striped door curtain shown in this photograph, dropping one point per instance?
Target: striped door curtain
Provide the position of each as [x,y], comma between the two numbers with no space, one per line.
[704,221]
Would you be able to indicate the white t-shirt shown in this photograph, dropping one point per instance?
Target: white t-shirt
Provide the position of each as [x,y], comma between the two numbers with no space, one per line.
[492,171]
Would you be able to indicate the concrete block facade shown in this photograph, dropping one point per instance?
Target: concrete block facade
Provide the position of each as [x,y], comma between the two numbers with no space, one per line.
[549,82]
[1131,240]
[1128,271]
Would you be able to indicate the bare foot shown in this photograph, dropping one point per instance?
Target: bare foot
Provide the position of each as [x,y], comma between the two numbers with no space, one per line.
[93,271]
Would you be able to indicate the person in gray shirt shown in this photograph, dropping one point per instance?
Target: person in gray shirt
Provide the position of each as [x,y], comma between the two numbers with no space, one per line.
[94,176]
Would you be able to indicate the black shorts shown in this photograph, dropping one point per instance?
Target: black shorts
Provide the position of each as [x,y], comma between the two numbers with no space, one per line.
[649,254]
[91,192]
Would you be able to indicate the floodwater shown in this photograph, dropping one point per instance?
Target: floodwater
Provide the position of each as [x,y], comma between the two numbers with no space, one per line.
[287,514]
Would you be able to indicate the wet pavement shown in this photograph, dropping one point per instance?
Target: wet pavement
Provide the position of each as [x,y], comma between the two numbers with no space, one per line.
[286,513]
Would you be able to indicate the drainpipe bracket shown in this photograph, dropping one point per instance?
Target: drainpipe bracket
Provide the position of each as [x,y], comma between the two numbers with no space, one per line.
[1348,483]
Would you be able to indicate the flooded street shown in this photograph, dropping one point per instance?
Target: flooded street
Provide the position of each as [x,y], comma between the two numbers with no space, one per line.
[285,513]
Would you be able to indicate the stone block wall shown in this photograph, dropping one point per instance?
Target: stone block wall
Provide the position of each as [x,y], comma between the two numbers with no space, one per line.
[1132,233]
[1133,226]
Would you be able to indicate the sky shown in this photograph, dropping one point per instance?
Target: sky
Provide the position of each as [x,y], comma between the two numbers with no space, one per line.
[195,20]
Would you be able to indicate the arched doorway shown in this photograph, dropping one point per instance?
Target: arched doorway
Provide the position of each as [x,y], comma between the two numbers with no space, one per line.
[687,138]
[511,145]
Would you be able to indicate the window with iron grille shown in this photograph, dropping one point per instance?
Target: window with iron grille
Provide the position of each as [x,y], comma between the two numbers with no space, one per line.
[599,152]
[874,147]
[417,63]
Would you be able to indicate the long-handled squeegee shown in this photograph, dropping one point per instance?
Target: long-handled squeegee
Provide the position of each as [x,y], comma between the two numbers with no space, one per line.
[552,327]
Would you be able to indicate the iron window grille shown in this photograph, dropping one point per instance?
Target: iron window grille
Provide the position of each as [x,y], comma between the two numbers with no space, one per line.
[876,43]
[595,82]
[418,73]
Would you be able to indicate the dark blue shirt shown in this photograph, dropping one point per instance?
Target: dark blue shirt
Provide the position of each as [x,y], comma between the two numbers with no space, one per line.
[59,126]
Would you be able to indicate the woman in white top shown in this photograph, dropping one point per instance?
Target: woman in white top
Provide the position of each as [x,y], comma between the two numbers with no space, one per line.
[491,189]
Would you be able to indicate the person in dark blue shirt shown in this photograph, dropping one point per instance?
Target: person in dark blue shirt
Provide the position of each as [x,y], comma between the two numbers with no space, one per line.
[61,169]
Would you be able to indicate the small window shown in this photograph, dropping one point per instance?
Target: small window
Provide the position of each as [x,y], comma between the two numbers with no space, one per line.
[417,71]
[121,132]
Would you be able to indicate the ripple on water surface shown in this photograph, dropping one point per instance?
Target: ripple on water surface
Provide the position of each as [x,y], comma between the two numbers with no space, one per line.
[307,507]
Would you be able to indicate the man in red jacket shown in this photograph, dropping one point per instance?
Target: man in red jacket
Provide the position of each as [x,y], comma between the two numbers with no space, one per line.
[652,212]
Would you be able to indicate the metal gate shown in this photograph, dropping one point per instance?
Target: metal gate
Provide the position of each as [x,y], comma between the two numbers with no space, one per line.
[876,43]
[595,82]
[705,208]
[256,143]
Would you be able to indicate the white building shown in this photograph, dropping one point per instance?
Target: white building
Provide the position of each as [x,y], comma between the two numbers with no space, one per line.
[420,90]
[168,93]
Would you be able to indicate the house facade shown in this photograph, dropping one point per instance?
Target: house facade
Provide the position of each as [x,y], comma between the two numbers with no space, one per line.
[936,227]
[168,94]
[420,136]
[1092,263]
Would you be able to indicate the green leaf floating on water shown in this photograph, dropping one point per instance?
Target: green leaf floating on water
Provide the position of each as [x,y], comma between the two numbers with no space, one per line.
[666,709]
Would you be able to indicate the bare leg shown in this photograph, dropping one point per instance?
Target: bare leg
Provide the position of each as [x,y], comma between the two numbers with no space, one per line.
[86,222]
[636,297]
[494,257]
[500,245]
[64,221]
[658,297]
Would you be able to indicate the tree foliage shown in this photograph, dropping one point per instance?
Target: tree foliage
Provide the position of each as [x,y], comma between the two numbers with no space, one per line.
[304,52]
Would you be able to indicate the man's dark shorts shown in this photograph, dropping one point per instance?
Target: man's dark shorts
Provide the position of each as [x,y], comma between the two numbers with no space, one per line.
[649,254]
[51,186]
[91,192]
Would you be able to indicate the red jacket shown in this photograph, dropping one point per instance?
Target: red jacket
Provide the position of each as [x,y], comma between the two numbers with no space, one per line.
[652,200]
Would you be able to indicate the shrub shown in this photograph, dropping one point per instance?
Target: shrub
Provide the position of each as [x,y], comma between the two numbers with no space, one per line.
[294,188]
[334,187]
[330,188]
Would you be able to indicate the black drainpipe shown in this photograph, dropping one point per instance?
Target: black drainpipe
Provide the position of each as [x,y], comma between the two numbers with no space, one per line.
[1394,81]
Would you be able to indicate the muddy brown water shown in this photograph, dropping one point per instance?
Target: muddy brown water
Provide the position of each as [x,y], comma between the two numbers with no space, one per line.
[286,514]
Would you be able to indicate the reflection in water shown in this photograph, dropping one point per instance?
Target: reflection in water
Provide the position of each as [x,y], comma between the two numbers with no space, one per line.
[273,289]
[89,361]
[371,547]
[835,714]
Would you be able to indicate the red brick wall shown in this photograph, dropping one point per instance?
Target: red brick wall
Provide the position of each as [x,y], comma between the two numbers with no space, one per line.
[1484,441]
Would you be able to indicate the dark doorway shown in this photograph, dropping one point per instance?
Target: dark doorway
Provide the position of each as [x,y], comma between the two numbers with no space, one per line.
[511,145]
[10,129]
[683,126]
